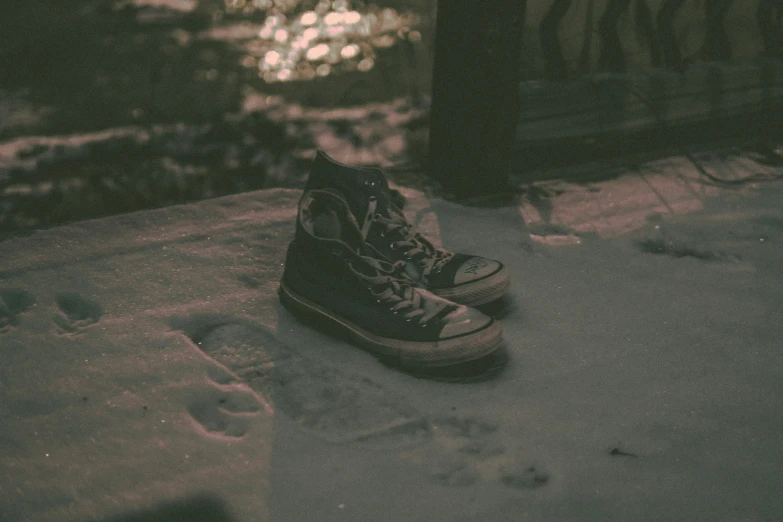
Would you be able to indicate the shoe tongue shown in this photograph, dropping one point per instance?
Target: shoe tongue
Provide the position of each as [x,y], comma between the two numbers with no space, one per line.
[358,184]
[364,185]
[325,215]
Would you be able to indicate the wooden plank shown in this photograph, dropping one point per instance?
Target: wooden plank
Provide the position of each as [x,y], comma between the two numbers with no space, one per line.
[613,103]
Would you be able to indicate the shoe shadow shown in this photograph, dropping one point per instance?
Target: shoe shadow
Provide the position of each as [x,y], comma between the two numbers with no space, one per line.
[479,370]
[199,508]
[499,308]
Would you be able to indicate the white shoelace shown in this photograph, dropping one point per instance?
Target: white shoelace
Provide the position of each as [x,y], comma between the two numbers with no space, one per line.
[413,244]
[400,294]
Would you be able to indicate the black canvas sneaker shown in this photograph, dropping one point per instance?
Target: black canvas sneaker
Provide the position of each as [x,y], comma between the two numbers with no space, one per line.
[329,278]
[462,278]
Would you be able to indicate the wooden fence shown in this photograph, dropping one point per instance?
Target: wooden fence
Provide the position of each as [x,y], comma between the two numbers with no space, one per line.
[592,67]
[589,70]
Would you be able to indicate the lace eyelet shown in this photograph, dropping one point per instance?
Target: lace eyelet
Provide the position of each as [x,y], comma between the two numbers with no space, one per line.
[383,235]
[423,325]
[378,301]
[406,256]
[373,199]
[376,217]
[393,246]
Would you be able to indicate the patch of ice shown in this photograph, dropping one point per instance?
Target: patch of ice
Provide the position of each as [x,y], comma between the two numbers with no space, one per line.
[185,6]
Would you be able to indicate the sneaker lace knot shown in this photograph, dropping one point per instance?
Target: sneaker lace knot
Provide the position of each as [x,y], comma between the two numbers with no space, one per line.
[414,245]
[386,288]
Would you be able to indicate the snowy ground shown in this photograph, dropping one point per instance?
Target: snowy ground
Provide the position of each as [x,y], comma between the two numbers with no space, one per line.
[150,370]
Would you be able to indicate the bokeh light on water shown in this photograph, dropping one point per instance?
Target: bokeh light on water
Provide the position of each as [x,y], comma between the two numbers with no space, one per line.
[304,40]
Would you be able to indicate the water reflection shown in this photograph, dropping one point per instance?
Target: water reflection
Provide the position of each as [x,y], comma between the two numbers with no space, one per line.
[301,41]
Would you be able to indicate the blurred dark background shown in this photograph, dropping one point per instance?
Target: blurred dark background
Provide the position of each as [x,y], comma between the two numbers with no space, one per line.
[110,106]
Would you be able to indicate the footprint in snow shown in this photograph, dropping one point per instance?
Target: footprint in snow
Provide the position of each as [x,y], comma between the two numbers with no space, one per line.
[340,407]
[468,450]
[13,303]
[325,401]
[225,408]
[75,312]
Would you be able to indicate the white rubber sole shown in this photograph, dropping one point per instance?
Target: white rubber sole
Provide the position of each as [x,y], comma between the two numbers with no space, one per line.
[480,292]
[409,353]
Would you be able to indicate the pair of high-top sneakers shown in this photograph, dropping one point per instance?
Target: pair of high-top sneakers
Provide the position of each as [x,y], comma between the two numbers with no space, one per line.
[357,264]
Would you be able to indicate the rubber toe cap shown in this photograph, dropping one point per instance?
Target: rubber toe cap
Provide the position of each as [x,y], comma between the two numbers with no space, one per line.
[476,268]
[463,321]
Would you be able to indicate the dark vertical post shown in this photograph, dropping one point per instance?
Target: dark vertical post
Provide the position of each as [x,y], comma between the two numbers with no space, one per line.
[716,42]
[612,57]
[665,20]
[475,94]
[768,15]
[555,66]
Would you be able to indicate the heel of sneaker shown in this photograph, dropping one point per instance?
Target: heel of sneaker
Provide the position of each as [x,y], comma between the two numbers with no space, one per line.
[310,315]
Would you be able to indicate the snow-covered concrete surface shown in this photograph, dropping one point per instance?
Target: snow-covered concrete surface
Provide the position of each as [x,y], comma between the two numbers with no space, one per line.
[147,360]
